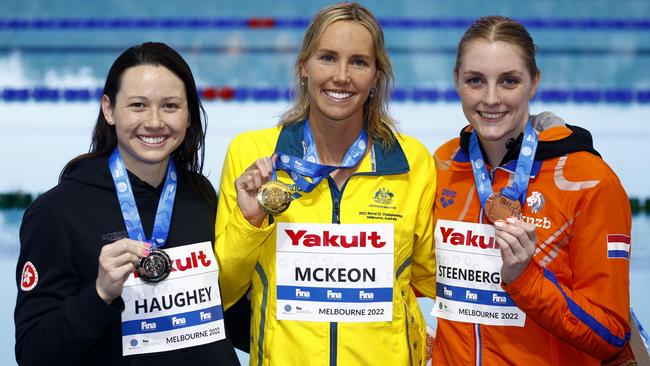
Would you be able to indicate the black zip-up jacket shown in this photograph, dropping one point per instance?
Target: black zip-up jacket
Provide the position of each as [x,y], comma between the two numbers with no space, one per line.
[62,320]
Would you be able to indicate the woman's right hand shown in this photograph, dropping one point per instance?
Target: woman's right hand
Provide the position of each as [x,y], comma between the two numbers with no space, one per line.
[247,186]
[116,262]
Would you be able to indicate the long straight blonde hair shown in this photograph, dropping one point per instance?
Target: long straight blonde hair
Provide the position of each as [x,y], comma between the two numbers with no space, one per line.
[376,118]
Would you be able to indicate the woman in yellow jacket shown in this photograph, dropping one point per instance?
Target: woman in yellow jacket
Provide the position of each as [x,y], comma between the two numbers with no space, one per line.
[332,277]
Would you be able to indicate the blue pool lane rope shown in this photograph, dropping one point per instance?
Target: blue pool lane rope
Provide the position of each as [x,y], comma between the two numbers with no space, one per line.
[267,23]
[273,94]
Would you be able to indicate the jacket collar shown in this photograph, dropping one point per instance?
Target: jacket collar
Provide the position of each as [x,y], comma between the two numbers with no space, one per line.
[394,161]
[553,142]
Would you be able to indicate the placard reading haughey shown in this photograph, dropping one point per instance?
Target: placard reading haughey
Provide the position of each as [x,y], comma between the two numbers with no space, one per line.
[182,311]
[335,272]
[468,288]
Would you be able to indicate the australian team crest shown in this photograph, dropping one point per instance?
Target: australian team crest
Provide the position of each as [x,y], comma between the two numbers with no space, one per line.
[535,201]
[383,196]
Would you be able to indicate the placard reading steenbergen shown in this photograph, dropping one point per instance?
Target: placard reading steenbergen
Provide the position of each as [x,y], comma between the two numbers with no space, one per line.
[335,272]
[468,288]
[182,311]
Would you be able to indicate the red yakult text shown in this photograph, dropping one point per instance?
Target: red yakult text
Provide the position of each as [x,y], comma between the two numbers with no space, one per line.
[468,238]
[325,239]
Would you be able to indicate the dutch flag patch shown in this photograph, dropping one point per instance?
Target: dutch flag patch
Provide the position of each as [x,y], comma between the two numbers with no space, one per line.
[618,246]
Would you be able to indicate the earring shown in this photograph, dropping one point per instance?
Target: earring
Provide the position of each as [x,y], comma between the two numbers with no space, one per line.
[372,93]
[303,81]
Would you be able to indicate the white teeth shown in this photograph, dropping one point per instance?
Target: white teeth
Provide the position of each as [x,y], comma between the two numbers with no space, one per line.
[152,140]
[492,115]
[338,95]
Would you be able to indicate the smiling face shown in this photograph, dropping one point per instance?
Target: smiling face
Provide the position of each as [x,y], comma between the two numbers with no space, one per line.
[150,116]
[340,73]
[495,86]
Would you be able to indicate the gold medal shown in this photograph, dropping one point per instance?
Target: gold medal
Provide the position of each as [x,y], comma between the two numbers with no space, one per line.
[274,197]
[500,207]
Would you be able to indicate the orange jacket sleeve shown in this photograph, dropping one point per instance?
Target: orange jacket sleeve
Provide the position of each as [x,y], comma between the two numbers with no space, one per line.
[590,310]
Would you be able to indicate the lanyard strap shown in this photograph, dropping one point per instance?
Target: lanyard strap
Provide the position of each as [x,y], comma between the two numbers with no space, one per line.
[309,165]
[522,170]
[130,209]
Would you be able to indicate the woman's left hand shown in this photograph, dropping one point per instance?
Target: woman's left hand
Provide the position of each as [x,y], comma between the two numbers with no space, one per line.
[516,240]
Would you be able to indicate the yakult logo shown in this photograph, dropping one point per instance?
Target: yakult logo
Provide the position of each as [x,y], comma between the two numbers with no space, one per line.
[468,238]
[325,239]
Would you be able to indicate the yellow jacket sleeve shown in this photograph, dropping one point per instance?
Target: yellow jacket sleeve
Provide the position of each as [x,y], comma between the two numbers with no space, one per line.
[237,242]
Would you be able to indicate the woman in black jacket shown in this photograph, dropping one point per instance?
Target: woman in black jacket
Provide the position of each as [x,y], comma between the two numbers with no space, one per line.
[116,265]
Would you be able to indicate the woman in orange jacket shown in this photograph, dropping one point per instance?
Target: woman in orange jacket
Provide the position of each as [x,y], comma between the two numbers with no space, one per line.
[532,227]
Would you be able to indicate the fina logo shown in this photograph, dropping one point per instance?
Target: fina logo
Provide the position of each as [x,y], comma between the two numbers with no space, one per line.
[383,196]
[535,202]
[287,308]
[121,187]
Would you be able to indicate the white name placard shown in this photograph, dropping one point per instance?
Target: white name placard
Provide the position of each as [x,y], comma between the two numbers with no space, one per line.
[335,272]
[182,311]
[468,288]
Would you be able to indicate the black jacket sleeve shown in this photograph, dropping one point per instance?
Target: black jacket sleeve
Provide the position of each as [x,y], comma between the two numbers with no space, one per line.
[237,320]
[59,318]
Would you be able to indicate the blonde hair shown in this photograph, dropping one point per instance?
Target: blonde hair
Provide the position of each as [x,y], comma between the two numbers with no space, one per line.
[499,28]
[378,122]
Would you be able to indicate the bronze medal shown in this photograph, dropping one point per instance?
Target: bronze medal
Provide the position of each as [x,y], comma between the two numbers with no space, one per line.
[500,207]
[274,197]
[155,267]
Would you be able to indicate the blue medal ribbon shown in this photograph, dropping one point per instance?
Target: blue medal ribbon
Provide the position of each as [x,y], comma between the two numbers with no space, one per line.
[309,165]
[522,171]
[130,209]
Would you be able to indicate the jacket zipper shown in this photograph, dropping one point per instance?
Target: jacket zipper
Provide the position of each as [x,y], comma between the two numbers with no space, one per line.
[477,327]
[337,212]
[336,219]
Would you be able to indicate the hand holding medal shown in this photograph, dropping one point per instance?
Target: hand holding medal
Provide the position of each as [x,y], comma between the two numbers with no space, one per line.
[259,194]
[116,262]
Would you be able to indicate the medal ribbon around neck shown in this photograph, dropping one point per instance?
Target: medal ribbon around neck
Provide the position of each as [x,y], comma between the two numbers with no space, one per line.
[130,209]
[309,165]
[522,170]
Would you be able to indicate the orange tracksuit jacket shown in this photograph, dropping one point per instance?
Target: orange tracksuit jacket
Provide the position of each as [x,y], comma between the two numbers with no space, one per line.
[575,292]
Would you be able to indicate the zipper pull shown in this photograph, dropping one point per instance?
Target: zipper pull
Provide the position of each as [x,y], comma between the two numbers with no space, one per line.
[337,212]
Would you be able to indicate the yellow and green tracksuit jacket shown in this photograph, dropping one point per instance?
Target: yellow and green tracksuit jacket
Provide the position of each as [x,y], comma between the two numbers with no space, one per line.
[396,186]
